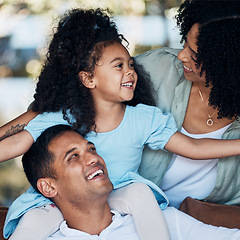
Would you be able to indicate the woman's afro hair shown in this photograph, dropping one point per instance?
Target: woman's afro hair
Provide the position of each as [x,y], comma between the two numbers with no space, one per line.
[218,52]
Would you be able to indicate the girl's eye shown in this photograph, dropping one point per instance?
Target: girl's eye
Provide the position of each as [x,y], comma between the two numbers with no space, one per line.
[131,65]
[119,65]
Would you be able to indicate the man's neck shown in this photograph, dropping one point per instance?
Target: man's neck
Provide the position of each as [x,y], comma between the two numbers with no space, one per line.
[92,220]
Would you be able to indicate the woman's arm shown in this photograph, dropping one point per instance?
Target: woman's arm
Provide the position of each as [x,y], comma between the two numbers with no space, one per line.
[204,148]
[15,145]
[16,125]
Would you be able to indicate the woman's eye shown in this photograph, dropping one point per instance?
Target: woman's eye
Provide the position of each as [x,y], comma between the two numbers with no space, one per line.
[194,59]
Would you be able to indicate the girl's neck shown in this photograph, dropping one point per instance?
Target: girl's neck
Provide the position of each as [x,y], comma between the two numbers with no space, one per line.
[108,116]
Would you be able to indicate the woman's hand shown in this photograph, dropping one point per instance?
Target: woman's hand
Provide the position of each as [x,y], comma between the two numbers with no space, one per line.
[17,124]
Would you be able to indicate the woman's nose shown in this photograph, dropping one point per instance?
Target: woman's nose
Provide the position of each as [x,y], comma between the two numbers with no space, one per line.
[182,55]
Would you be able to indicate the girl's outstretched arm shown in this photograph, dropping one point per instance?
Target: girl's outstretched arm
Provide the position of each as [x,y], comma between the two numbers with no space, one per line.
[204,148]
[17,124]
[15,145]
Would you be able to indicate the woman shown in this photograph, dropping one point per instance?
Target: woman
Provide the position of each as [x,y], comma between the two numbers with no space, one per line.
[201,89]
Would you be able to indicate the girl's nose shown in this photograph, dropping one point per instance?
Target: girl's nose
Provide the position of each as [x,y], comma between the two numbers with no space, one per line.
[129,72]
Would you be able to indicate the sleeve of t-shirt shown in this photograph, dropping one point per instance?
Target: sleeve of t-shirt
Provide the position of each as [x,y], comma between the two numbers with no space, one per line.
[43,121]
[156,127]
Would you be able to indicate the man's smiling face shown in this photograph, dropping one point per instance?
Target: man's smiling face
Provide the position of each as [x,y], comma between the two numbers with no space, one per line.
[81,173]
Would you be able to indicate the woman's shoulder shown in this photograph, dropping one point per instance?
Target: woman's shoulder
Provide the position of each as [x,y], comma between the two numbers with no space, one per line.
[158,55]
[163,67]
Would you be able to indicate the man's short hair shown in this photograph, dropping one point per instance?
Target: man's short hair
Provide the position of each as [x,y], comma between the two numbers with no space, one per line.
[38,160]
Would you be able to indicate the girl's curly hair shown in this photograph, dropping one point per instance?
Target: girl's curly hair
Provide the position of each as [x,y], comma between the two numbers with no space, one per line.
[76,46]
[218,52]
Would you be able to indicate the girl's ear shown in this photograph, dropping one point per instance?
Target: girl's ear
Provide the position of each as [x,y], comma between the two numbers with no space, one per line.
[86,79]
[46,187]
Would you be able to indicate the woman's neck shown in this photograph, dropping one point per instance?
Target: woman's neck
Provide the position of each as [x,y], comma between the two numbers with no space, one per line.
[199,112]
[108,116]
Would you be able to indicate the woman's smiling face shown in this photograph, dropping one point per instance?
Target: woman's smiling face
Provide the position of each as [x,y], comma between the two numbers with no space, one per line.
[188,56]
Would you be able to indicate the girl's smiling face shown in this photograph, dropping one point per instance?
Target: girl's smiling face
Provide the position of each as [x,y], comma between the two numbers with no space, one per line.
[188,56]
[114,78]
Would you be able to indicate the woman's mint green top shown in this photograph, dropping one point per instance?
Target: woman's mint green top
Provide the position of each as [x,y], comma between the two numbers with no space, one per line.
[173,90]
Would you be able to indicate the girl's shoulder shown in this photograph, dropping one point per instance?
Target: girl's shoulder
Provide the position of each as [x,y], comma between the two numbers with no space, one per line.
[148,114]
[143,108]
[53,116]
[143,113]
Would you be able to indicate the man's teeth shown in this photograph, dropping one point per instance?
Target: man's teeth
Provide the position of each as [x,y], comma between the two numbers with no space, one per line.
[189,69]
[98,172]
[127,84]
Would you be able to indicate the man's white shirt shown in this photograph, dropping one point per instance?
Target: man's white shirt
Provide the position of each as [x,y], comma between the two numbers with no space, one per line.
[122,227]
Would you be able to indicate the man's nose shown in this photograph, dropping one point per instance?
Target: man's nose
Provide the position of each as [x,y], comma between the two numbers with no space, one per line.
[91,159]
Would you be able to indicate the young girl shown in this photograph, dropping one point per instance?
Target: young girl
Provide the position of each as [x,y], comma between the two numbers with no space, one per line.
[89,82]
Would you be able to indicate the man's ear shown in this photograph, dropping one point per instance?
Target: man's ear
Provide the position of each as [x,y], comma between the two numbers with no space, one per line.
[46,187]
[86,79]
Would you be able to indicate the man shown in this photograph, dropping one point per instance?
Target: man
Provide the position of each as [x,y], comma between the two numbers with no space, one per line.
[66,168]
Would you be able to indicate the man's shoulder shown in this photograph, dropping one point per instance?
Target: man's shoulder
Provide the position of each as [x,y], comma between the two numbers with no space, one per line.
[123,226]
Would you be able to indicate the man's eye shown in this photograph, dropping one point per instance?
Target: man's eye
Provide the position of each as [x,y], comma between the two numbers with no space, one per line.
[93,149]
[72,157]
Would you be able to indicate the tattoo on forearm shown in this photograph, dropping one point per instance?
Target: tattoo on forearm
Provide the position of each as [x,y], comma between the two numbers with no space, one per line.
[14,129]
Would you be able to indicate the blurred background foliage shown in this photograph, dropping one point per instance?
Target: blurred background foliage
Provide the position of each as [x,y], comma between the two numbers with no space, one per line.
[24,35]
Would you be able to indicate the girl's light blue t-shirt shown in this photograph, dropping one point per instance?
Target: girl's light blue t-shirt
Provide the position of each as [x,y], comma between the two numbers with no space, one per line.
[121,149]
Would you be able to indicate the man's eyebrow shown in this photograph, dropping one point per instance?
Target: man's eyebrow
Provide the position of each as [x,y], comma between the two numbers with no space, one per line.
[68,152]
[73,149]
[90,143]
